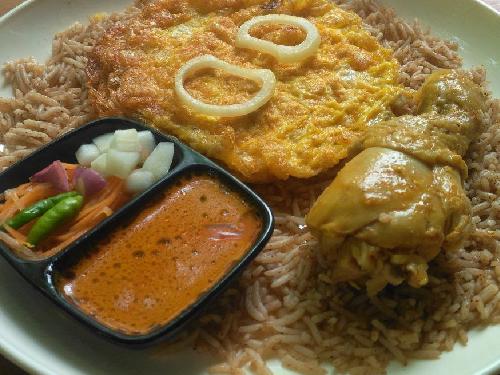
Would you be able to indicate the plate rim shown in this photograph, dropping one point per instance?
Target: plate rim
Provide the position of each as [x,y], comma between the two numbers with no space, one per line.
[489,6]
[16,9]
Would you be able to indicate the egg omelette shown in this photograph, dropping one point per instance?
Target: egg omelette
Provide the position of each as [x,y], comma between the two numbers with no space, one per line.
[320,106]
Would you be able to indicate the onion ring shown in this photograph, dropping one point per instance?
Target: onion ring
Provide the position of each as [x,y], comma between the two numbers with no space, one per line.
[264,77]
[284,54]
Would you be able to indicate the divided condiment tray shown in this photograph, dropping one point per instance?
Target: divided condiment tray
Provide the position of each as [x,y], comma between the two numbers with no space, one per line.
[40,271]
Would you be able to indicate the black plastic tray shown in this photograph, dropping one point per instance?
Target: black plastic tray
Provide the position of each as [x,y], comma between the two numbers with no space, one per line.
[41,271]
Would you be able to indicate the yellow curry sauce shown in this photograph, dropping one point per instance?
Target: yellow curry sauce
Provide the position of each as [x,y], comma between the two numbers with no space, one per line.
[157,264]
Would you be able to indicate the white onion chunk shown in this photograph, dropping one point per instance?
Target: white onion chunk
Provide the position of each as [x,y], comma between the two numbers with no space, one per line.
[139,180]
[100,164]
[86,154]
[160,160]
[103,141]
[147,142]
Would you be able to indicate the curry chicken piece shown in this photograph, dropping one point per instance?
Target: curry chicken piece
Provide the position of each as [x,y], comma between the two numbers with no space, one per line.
[319,109]
[399,202]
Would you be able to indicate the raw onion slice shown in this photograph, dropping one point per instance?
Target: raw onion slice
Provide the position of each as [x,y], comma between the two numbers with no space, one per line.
[86,154]
[87,181]
[264,77]
[54,174]
[121,163]
[284,54]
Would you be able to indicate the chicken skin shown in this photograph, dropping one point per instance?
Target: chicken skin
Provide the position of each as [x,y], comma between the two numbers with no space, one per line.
[399,202]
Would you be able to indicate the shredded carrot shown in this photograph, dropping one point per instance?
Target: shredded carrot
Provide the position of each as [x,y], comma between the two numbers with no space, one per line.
[12,195]
[18,236]
[69,167]
[107,211]
[36,193]
[70,170]
[5,209]
[21,189]
[15,201]
[91,216]
[65,243]
[101,199]
[98,207]
[88,222]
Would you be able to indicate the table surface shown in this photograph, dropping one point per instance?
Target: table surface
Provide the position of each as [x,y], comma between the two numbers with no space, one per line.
[5,366]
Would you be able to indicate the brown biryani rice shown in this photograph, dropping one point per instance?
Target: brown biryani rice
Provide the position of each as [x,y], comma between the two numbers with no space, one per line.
[281,307]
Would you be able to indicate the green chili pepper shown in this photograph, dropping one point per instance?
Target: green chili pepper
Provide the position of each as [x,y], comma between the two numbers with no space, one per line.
[36,210]
[54,217]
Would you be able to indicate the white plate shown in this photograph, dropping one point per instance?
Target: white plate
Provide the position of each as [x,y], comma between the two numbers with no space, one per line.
[39,337]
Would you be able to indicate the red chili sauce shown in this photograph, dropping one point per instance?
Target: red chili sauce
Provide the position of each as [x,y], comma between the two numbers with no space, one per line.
[156,265]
